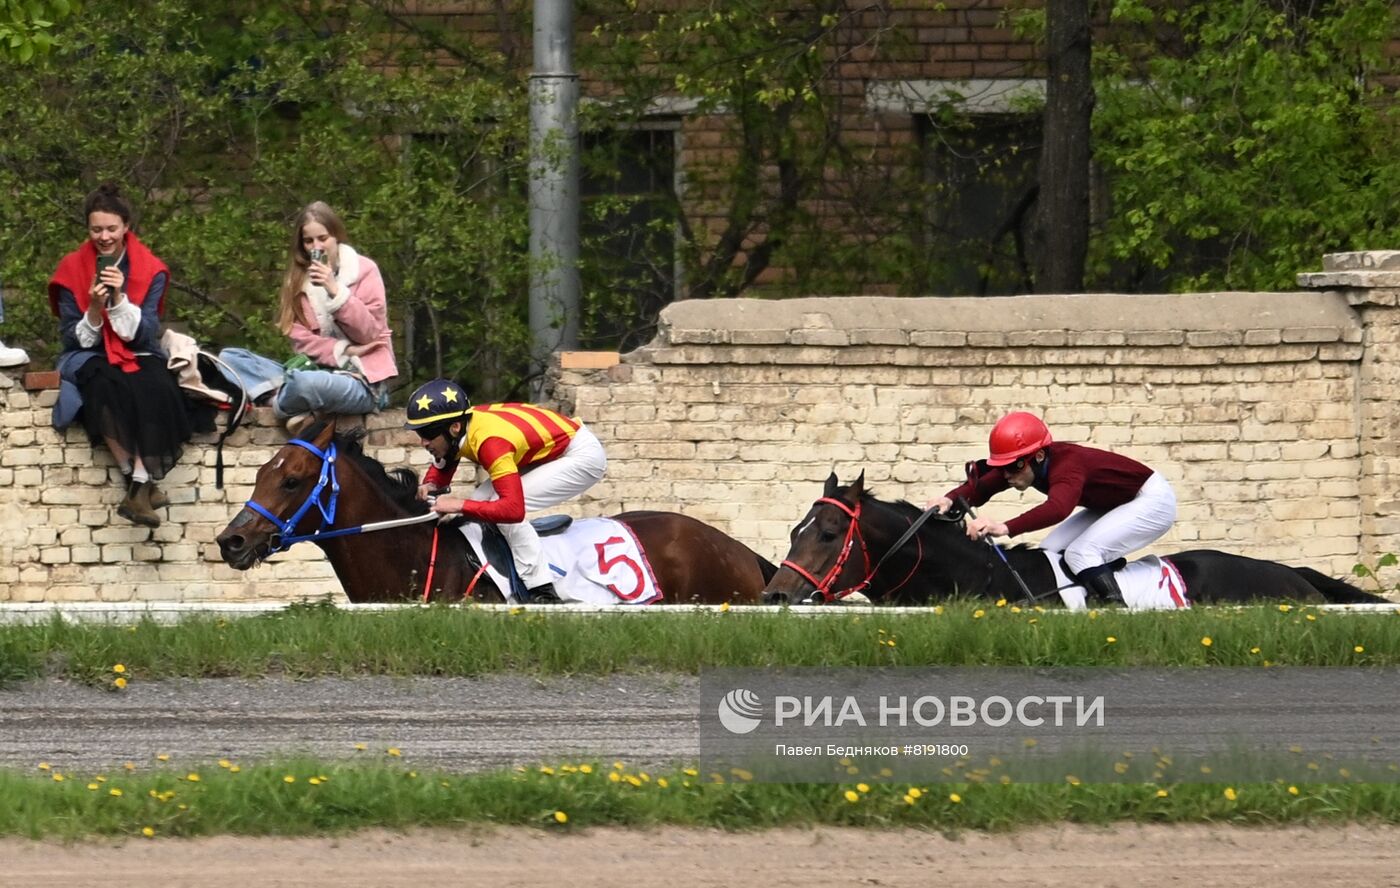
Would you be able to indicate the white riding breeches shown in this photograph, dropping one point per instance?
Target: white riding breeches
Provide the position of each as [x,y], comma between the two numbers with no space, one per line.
[1088,538]
[549,484]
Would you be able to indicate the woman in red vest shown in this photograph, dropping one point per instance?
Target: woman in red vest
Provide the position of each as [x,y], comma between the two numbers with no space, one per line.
[109,297]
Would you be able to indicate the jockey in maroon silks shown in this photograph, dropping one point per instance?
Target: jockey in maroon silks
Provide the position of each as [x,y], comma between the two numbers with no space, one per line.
[1126,505]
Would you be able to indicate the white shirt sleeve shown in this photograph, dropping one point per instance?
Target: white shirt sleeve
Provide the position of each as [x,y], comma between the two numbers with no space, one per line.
[125,319]
[87,334]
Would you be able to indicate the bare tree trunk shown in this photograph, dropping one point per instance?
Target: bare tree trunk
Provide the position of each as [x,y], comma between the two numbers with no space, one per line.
[1062,217]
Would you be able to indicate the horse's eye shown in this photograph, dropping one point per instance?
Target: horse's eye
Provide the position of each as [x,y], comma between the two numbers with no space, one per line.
[291,484]
[828,536]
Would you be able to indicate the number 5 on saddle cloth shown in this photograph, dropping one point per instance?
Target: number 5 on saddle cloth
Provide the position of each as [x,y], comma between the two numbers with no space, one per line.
[591,560]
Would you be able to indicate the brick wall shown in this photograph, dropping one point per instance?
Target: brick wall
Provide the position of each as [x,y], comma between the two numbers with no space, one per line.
[1273,414]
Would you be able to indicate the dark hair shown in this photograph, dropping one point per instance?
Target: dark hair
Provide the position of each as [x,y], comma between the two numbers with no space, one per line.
[107,198]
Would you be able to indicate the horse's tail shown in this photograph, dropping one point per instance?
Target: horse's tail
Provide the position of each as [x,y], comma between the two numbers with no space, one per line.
[1337,591]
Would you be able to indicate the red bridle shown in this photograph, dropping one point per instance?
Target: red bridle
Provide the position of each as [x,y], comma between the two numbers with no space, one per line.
[853,535]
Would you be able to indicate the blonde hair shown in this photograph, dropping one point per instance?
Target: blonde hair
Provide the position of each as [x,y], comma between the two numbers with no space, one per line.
[298,261]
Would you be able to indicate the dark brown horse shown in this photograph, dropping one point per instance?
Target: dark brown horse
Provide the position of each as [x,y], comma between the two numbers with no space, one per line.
[845,543]
[300,493]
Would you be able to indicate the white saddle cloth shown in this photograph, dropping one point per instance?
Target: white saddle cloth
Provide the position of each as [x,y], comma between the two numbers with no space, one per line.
[1149,583]
[594,561]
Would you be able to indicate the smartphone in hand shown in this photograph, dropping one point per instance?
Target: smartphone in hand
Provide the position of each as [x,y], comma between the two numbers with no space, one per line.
[104,263]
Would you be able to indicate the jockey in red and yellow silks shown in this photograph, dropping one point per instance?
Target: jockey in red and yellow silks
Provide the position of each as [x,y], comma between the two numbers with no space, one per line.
[536,458]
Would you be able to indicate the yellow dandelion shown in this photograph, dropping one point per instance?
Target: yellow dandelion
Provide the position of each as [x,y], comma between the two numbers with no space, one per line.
[691,772]
[1285,608]
[225,763]
[1254,650]
[130,766]
[633,780]
[955,798]
[1015,609]
[57,777]
[585,769]
[1093,615]
[662,782]
[1359,649]
[1230,793]
[234,769]
[862,787]
[192,777]
[1162,793]
[1001,602]
[162,756]
[119,669]
[618,766]
[1072,780]
[978,614]
[114,792]
[148,831]
[1032,621]
[43,766]
[724,608]
[852,796]
[916,792]
[908,799]
[1111,639]
[119,683]
[1206,642]
[546,770]
[1312,618]
[938,610]
[315,781]
[93,786]
[561,817]
[361,747]
[614,777]
[289,779]
[393,751]
[1120,767]
[1292,790]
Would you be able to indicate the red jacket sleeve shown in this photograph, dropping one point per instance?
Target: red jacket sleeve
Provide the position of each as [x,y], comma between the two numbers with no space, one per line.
[440,479]
[508,508]
[1066,488]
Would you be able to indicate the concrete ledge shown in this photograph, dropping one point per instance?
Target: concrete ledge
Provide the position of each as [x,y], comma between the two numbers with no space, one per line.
[762,320]
[588,360]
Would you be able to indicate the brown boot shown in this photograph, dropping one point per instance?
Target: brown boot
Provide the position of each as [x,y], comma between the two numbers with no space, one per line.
[158,498]
[136,508]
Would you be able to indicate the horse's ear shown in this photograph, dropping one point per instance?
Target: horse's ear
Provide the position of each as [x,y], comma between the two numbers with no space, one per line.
[323,440]
[857,487]
[831,485]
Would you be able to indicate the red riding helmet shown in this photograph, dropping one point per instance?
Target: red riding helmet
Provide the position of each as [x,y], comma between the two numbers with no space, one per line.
[1016,435]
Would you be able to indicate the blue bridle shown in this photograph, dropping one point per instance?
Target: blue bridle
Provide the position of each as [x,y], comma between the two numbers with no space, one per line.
[285,538]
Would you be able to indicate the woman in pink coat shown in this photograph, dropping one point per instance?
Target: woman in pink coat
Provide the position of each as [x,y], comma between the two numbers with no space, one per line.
[332,307]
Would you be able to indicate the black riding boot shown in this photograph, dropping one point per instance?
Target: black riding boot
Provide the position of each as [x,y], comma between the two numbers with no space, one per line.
[543,594]
[1101,584]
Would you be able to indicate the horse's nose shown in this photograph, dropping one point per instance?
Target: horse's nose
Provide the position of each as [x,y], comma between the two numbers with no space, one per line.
[230,545]
[776,598]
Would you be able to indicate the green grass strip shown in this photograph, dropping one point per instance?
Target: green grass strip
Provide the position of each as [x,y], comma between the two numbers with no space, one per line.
[304,797]
[452,641]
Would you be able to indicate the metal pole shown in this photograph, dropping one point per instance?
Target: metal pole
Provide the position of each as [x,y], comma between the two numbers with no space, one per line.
[554,188]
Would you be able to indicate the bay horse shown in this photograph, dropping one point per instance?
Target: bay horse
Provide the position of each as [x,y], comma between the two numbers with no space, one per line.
[308,494]
[843,544]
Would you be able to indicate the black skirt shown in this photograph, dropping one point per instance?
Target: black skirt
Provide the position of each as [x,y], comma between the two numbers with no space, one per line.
[144,412]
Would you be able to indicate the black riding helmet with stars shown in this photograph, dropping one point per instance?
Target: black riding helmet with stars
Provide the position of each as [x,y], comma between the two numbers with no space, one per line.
[434,406]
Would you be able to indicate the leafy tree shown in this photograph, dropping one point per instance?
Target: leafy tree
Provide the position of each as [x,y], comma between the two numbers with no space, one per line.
[26,26]
[1242,140]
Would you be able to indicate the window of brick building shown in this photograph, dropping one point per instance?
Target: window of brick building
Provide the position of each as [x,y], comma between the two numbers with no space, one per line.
[628,250]
[980,173]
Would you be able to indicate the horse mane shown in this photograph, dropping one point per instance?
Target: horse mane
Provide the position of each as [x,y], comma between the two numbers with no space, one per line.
[909,512]
[401,484]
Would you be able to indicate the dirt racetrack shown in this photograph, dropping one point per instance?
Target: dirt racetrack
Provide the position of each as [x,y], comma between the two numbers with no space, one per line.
[1060,857]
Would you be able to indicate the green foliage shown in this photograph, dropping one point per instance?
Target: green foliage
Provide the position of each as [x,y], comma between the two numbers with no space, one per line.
[1243,140]
[222,125]
[1366,572]
[26,27]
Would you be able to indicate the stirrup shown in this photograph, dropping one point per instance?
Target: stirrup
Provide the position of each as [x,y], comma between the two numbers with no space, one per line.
[544,593]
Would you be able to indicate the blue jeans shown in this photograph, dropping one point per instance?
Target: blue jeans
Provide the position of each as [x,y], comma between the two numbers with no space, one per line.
[324,392]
